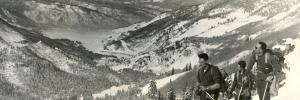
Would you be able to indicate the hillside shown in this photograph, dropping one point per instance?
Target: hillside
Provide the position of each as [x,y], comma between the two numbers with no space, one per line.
[111,49]
[214,27]
[74,13]
[35,67]
[226,30]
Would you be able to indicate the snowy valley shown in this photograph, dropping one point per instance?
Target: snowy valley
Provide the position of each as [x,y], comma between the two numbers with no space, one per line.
[112,49]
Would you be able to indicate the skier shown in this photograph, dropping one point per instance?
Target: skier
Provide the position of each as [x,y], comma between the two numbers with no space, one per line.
[209,79]
[241,84]
[266,69]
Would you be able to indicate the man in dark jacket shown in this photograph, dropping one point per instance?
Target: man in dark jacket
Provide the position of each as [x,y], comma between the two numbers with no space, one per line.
[209,79]
[266,68]
[242,84]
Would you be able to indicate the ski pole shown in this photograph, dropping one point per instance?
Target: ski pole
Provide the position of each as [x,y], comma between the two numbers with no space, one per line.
[209,95]
[265,90]
[240,92]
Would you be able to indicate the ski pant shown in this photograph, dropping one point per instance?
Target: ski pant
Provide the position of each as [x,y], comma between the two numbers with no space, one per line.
[243,97]
[261,85]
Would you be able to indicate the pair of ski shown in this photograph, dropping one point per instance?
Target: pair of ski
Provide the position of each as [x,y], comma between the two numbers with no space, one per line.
[240,92]
[265,90]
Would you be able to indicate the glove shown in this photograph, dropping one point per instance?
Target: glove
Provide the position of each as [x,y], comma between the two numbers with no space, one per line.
[203,88]
[270,78]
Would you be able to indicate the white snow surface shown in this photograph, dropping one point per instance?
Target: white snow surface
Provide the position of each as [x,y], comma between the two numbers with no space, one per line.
[119,67]
[57,58]
[10,35]
[234,59]
[139,25]
[183,61]
[281,47]
[162,82]
[92,40]
[283,15]
[255,35]
[291,89]
[210,27]
[111,91]
[10,73]
[280,22]
[286,19]
[158,0]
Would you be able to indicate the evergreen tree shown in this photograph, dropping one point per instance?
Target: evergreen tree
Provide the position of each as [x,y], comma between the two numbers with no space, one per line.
[171,92]
[153,92]
[187,68]
[194,93]
[188,94]
[159,96]
[190,67]
[173,71]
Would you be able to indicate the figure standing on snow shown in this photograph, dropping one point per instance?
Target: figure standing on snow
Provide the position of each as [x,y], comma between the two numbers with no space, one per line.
[209,79]
[242,84]
[266,68]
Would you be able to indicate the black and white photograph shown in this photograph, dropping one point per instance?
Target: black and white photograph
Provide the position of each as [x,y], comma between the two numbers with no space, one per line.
[149,49]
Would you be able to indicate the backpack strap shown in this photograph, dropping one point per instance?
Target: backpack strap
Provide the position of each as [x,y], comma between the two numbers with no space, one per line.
[198,74]
[266,57]
[256,58]
[218,70]
[211,70]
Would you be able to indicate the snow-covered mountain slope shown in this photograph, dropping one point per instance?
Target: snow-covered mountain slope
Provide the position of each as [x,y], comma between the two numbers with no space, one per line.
[74,14]
[72,19]
[39,64]
[163,82]
[291,87]
[211,19]
[111,91]
[34,67]
[188,79]
[225,24]
[226,30]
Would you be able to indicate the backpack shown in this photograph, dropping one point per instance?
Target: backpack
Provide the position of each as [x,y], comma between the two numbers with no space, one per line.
[279,57]
[280,76]
[224,84]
